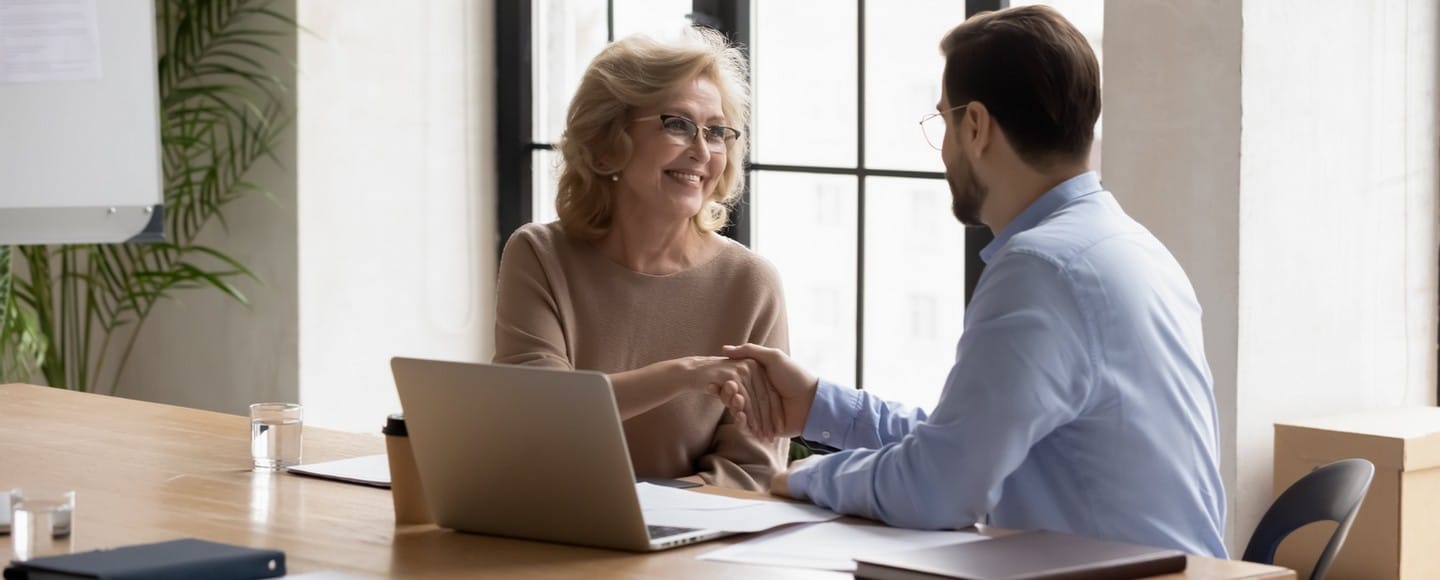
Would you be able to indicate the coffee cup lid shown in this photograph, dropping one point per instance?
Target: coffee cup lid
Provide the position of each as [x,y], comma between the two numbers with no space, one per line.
[395,425]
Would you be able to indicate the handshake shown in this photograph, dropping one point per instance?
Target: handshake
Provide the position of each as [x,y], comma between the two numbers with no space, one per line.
[764,389]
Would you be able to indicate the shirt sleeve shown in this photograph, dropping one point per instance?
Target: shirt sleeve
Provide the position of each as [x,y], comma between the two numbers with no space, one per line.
[849,418]
[528,328]
[1022,369]
[738,458]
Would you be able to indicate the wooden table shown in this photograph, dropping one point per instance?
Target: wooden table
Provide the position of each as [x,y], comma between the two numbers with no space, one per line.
[145,472]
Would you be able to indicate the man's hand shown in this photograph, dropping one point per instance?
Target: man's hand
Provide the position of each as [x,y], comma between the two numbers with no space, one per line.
[780,484]
[780,405]
[731,381]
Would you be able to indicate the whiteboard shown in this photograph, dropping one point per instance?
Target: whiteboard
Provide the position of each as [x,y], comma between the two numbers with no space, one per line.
[79,122]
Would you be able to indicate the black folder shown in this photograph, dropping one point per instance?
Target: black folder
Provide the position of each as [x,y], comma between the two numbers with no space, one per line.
[176,559]
[1025,556]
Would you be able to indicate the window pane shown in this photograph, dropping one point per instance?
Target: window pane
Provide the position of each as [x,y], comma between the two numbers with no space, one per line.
[914,288]
[804,81]
[567,34]
[806,225]
[1089,17]
[903,66]
[658,18]
[546,174]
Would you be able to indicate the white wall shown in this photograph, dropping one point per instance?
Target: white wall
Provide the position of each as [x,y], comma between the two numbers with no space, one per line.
[1285,151]
[396,169]
[381,238]
[1338,163]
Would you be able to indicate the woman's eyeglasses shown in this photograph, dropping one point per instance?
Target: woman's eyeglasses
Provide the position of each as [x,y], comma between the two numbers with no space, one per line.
[717,137]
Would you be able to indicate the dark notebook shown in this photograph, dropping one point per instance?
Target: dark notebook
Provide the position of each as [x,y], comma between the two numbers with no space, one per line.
[1025,556]
[161,561]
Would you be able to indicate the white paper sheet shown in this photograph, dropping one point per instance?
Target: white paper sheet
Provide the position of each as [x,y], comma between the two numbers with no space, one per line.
[372,470]
[49,40]
[664,506]
[832,545]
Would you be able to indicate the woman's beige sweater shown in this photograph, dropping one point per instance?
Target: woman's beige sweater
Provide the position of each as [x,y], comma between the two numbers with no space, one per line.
[562,303]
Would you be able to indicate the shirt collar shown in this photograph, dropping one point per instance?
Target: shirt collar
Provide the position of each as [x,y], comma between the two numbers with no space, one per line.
[1058,196]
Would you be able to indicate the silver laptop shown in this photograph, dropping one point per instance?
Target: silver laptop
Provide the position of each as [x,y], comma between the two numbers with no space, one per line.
[526,453]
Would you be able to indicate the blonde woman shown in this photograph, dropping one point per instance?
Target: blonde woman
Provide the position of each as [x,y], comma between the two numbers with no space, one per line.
[633,279]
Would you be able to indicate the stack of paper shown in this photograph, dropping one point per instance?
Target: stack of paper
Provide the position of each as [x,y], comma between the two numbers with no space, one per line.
[665,506]
[832,545]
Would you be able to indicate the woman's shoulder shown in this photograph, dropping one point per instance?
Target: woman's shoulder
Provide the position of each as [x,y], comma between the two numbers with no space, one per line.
[548,239]
[546,246]
[744,261]
[546,235]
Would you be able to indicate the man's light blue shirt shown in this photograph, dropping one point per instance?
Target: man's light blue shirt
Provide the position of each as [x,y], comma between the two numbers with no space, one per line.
[1080,400]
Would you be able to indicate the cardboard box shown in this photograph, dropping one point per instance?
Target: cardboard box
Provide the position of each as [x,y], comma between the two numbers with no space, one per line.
[1397,534]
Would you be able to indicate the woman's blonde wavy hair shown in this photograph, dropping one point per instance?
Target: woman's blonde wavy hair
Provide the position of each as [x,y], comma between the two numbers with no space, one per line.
[636,73]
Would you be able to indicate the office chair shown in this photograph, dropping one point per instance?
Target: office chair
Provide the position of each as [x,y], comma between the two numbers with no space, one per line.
[1328,493]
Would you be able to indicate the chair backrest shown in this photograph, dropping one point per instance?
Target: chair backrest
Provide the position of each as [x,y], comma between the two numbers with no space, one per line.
[1330,492]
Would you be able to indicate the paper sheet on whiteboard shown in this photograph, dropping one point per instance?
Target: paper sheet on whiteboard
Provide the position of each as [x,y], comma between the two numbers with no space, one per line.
[48,40]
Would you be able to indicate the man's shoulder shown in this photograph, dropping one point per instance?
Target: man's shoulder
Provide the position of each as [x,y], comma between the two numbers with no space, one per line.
[1078,229]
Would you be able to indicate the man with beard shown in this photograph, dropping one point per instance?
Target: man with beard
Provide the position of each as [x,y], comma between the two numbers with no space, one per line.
[1080,399]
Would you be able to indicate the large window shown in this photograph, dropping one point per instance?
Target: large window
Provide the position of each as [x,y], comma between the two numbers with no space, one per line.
[847,198]
[844,194]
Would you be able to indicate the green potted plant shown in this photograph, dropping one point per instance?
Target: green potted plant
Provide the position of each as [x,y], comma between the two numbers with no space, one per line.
[72,313]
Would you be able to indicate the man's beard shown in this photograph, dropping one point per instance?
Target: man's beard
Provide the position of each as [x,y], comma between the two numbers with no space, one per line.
[967,194]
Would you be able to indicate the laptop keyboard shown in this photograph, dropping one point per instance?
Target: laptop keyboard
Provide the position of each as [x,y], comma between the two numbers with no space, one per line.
[657,532]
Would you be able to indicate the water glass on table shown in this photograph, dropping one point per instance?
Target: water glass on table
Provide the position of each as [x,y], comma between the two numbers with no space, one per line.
[275,435]
[41,522]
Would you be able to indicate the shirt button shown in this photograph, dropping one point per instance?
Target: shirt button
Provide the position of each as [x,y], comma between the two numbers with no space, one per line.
[825,434]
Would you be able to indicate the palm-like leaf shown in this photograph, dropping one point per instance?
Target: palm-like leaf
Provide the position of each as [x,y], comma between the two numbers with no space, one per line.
[22,347]
[221,112]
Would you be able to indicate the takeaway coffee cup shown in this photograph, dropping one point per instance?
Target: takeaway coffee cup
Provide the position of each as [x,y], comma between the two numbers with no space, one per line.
[405,490]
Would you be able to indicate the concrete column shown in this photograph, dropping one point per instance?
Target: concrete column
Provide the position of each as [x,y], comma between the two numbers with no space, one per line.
[1285,151]
[203,349]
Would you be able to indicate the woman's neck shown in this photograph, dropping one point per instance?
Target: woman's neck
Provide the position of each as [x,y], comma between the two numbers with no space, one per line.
[655,246]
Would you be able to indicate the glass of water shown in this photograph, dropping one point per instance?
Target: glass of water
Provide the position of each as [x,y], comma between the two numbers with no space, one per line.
[275,430]
[40,522]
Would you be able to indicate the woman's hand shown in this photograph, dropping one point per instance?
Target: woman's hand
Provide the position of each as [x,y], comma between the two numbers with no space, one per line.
[740,384]
[780,401]
[730,380]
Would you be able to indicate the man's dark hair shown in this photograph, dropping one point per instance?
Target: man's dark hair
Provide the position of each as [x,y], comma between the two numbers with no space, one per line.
[1036,75]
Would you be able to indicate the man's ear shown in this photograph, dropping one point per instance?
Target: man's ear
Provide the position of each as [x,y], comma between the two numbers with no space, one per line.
[981,128]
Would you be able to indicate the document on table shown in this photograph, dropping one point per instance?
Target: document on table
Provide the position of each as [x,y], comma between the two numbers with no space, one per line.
[371,470]
[664,506]
[832,545]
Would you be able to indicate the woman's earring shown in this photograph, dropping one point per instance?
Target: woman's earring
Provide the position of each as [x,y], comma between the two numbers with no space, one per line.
[614,177]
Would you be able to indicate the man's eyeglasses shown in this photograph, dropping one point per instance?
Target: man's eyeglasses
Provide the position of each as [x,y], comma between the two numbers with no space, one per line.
[683,131]
[933,126]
